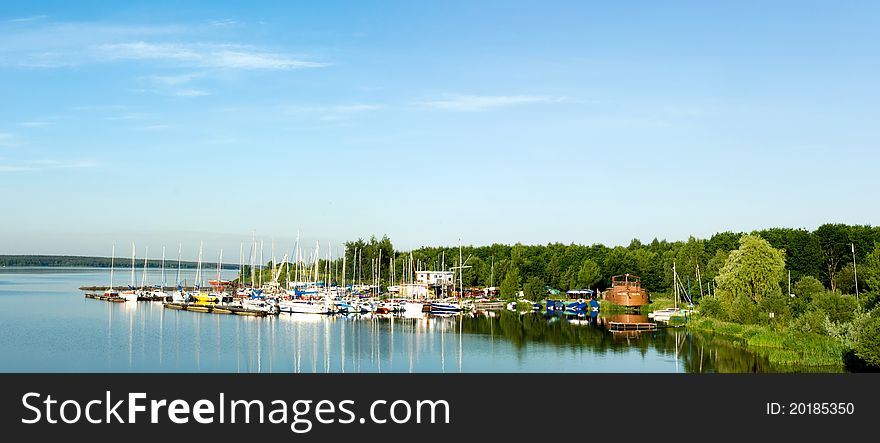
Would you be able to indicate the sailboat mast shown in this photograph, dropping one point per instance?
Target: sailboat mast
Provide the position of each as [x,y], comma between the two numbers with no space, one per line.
[144,275]
[261,264]
[296,269]
[675,285]
[199,267]
[179,248]
[132,264]
[219,265]
[163,268]
[112,259]
[460,271]
[700,281]
[492,274]
[317,255]
[253,257]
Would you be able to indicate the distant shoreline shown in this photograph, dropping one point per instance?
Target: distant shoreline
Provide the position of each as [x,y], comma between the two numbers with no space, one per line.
[74,261]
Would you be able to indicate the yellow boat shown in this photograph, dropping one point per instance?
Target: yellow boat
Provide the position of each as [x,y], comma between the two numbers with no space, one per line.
[204,297]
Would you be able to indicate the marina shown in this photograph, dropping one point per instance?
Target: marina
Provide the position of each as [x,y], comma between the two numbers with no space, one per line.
[74,333]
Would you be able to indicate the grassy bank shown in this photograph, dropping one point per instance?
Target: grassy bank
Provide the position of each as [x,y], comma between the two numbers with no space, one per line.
[782,348]
[656,303]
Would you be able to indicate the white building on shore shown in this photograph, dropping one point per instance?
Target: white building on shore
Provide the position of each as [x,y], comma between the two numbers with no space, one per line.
[429,284]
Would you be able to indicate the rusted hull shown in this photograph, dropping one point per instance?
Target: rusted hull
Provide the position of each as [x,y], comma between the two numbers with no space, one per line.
[628,297]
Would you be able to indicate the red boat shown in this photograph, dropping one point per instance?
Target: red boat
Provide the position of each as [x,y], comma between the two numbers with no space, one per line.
[626,290]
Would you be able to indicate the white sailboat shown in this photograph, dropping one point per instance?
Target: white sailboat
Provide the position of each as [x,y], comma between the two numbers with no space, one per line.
[678,289]
[160,291]
[178,296]
[142,289]
[130,294]
[411,307]
[297,306]
[110,292]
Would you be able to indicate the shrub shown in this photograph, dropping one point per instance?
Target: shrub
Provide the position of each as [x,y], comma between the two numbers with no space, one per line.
[838,307]
[744,311]
[711,306]
[811,322]
[870,300]
[867,346]
[778,305]
[807,287]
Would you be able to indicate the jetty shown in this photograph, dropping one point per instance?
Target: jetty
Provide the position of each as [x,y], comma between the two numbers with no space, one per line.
[616,326]
[489,305]
[116,298]
[215,309]
[111,298]
[164,288]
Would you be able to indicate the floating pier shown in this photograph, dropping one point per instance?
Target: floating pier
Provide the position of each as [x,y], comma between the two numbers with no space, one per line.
[115,298]
[105,298]
[215,309]
[490,305]
[165,288]
[621,326]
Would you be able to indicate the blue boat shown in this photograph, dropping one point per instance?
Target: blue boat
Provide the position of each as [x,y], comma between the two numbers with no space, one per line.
[445,307]
[345,307]
[564,305]
[579,305]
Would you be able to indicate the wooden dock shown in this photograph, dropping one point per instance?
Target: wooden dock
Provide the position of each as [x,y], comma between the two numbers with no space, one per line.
[120,299]
[490,305]
[166,288]
[215,309]
[105,298]
[621,326]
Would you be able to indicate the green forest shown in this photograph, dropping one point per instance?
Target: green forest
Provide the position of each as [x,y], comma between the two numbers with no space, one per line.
[824,254]
[800,297]
[95,262]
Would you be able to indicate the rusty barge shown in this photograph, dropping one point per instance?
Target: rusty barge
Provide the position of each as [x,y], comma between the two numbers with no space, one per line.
[626,290]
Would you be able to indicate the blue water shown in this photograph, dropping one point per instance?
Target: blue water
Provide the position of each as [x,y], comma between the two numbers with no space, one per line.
[46,325]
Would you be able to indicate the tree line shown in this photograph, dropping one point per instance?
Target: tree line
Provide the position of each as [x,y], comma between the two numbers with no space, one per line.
[96,262]
[824,254]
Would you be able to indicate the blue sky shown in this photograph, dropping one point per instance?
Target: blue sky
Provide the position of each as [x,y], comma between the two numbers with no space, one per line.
[487,121]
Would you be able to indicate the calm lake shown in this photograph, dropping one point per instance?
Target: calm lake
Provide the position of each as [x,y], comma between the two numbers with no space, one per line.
[46,325]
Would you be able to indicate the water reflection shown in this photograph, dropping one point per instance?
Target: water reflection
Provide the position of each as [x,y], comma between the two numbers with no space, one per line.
[70,333]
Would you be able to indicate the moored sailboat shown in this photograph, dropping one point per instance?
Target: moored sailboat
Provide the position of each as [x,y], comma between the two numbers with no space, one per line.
[110,292]
[130,294]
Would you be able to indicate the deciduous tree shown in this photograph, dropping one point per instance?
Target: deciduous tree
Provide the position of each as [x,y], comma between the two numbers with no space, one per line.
[753,271]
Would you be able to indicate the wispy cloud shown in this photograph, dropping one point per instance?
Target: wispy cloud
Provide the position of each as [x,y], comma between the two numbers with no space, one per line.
[57,45]
[14,168]
[8,139]
[224,22]
[174,80]
[173,85]
[33,124]
[203,55]
[153,128]
[485,102]
[330,112]
[44,165]
[189,93]
[27,19]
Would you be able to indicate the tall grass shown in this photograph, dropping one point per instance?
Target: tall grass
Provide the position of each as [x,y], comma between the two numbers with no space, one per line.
[780,347]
